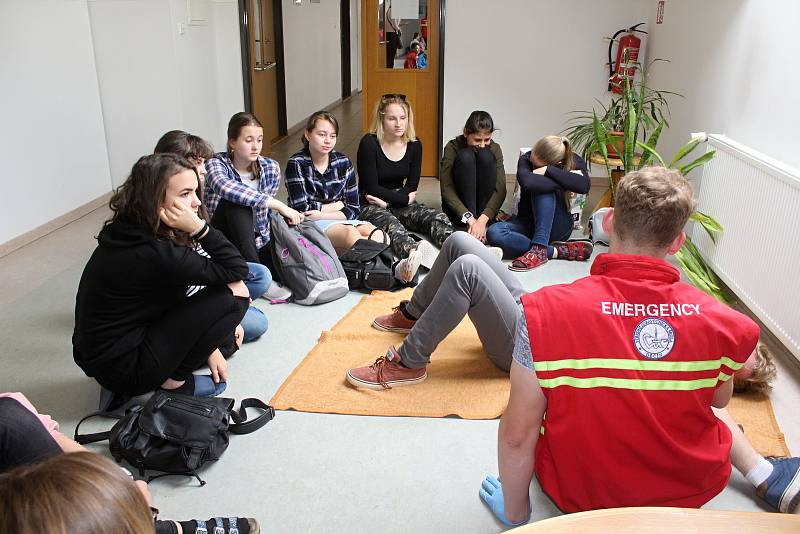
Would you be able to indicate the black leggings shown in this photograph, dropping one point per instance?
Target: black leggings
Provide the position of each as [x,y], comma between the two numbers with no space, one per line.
[23,438]
[179,343]
[474,176]
[236,222]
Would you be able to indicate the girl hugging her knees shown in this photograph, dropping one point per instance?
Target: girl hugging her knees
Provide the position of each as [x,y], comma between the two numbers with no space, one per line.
[543,224]
[472,177]
[322,186]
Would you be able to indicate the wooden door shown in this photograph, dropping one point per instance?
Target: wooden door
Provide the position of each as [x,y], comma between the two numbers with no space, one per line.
[421,86]
[263,68]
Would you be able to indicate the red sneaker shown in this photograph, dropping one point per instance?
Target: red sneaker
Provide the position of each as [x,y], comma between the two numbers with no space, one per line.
[535,257]
[386,373]
[573,250]
[395,321]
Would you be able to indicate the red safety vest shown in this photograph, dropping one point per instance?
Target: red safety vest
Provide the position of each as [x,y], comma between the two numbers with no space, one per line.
[629,359]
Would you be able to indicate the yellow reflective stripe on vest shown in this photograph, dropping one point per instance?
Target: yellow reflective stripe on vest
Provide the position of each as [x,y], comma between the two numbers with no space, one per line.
[629,383]
[634,365]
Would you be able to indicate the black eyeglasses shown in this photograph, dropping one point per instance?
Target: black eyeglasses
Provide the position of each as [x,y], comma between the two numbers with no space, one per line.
[389,96]
[154,513]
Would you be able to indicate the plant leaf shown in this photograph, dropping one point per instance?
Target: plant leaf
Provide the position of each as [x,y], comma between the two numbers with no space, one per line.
[702,160]
[682,151]
[709,224]
[630,138]
[648,153]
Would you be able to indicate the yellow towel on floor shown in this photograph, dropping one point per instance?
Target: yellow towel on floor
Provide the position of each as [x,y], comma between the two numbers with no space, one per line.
[462,382]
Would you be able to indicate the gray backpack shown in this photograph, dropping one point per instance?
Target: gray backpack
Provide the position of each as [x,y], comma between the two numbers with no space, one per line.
[306,262]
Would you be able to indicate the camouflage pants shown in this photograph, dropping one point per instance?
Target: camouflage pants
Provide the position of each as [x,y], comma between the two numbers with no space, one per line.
[397,222]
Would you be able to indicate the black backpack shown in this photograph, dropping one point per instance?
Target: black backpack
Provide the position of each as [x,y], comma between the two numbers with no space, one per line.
[176,434]
[368,264]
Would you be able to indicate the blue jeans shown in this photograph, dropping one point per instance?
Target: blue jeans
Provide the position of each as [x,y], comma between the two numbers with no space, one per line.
[551,222]
[258,281]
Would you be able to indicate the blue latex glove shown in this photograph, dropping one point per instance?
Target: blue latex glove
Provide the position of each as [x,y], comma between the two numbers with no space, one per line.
[491,493]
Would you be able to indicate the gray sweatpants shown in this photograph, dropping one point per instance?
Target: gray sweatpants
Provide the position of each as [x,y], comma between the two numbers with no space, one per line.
[465,279]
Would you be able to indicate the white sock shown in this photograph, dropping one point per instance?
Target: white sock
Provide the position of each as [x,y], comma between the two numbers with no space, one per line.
[555,253]
[398,270]
[760,473]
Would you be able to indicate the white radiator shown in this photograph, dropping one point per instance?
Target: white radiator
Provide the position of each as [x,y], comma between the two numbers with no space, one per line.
[757,201]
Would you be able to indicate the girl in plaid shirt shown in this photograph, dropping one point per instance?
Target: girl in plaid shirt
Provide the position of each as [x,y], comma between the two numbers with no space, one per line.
[240,190]
[322,185]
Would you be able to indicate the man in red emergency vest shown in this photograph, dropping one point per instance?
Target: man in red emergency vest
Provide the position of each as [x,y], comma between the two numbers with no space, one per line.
[629,378]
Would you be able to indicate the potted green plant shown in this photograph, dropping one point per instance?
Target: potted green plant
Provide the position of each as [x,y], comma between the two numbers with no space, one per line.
[634,114]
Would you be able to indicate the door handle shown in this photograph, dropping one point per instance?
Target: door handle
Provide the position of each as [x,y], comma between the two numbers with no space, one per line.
[269,66]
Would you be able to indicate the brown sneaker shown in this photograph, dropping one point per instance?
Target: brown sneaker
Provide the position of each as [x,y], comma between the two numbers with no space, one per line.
[386,373]
[395,321]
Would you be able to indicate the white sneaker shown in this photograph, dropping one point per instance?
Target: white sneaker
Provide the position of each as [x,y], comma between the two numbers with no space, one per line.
[406,269]
[427,253]
[497,251]
[277,291]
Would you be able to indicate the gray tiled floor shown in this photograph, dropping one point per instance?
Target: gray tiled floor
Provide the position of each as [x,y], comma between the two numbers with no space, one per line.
[303,472]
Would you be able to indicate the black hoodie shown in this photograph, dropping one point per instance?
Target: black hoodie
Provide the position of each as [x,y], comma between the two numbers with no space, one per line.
[132,279]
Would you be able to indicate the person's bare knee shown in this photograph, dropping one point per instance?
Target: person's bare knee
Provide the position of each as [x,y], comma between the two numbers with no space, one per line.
[239,289]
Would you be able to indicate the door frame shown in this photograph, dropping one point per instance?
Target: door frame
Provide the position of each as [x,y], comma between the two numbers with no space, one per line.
[344,24]
[440,125]
[247,79]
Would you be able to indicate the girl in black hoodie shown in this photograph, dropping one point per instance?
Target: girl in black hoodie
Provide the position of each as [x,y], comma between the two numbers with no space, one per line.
[135,330]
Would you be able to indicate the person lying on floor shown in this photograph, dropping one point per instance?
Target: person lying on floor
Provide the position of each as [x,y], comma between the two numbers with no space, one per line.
[259,277]
[636,381]
[322,186]
[80,491]
[135,329]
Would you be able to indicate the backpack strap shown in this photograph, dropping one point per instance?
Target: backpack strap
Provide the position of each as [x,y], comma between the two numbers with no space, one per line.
[369,237]
[83,439]
[240,423]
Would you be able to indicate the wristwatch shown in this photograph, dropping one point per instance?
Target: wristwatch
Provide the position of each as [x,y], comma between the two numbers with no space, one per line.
[466,217]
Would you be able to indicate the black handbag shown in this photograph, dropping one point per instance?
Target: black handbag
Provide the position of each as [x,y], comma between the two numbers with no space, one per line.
[368,264]
[177,434]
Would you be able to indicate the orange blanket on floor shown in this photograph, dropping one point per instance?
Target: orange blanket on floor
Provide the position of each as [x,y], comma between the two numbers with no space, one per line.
[461,382]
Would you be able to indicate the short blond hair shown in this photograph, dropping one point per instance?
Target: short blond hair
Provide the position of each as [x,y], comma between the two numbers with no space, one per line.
[652,206]
[380,109]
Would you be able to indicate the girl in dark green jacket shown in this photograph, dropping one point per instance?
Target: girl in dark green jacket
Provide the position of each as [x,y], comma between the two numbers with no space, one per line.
[472,177]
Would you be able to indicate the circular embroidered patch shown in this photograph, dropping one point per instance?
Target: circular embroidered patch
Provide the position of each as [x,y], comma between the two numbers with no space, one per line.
[654,338]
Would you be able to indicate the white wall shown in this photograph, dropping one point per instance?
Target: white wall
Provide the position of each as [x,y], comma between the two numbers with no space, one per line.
[228,73]
[153,78]
[528,63]
[735,61]
[51,138]
[312,56]
[355,45]
[90,85]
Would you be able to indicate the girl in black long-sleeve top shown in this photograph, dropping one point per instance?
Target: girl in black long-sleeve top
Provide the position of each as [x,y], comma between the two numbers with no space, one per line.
[389,164]
[546,176]
[135,330]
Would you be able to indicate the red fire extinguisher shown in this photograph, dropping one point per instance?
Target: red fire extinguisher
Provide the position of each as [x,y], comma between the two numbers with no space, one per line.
[624,68]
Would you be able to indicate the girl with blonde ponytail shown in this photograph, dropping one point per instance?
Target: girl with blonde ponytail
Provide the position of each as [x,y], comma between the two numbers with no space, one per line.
[543,224]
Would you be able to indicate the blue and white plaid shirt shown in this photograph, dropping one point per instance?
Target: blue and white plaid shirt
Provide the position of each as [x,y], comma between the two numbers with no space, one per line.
[222,181]
[309,189]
